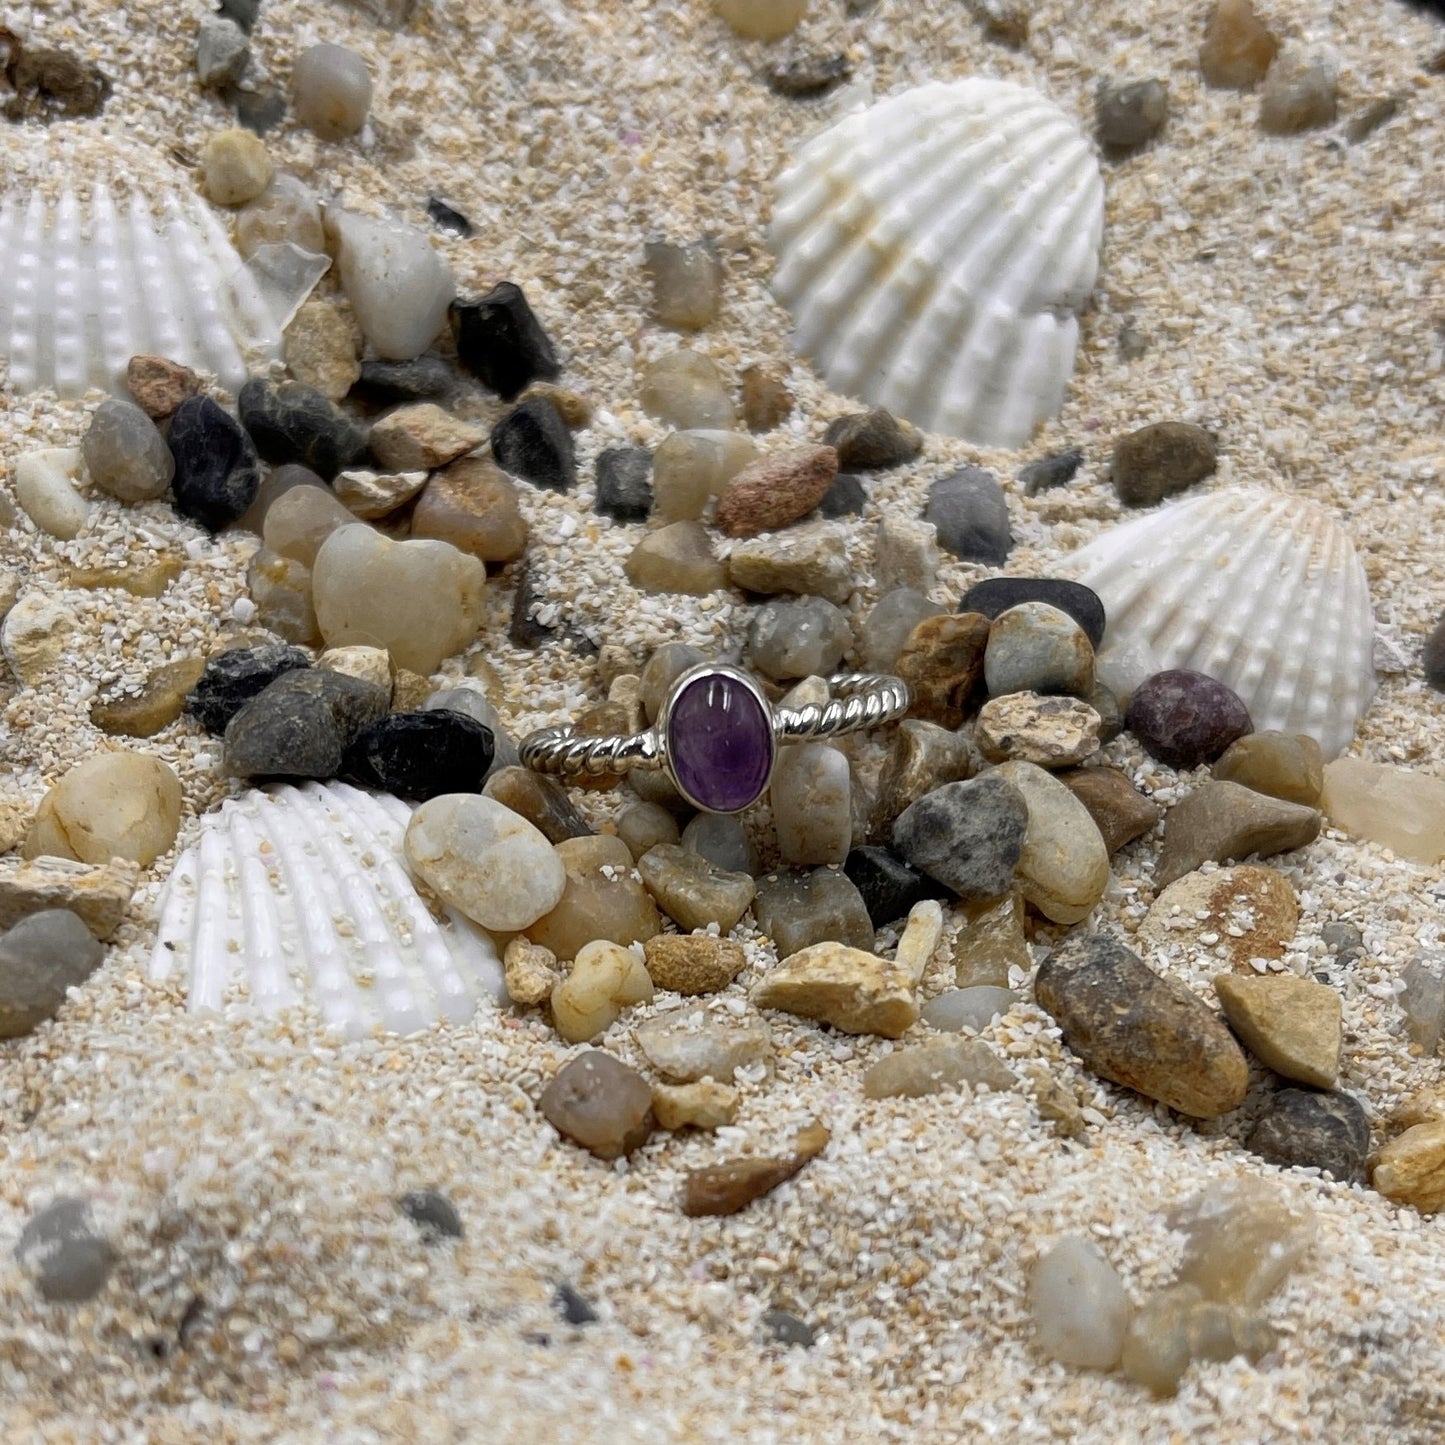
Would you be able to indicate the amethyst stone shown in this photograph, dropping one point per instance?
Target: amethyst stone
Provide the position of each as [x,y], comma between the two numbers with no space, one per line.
[720,743]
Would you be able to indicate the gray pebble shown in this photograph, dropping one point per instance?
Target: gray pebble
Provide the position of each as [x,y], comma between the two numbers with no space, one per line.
[971,514]
[802,638]
[125,453]
[797,910]
[967,835]
[1048,473]
[222,52]
[845,497]
[723,841]
[889,625]
[69,1260]
[1038,648]
[433,1213]
[301,725]
[331,91]
[1129,116]
[1303,1129]
[41,957]
[779,1325]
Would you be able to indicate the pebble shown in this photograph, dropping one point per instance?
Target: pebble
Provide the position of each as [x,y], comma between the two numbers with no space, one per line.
[937,1067]
[661,670]
[690,468]
[422,437]
[1422,1000]
[872,441]
[159,386]
[1053,732]
[398,285]
[1176,1326]
[1237,48]
[1161,460]
[787,1329]
[1376,803]
[991,943]
[301,725]
[1243,916]
[1432,656]
[61,1249]
[600,1104]
[222,52]
[369,495]
[114,805]
[811,793]
[1300,92]
[942,661]
[40,957]
[541,800]
[685,390]
[624,483]
[142,576]
[974,1008]
[721,1189]
[845,498]
[1243,1238]
[485,860]
[9,590]
[806,637]
[1220,821]
[761,19]
[299,521]
[888,626]
[967,835]
[1410,1169]
[1063,868]
[603,900]
[532,442]
[44,83]
[501,341]
[161,700]
[446,217]
[797,910]
[776,490]
[419,755]
[217,473]
[997,595]
[474,506]
[691,891]
[47,494]
[686,283]
[644,825]
[905,554]
[233,677]
[1050,472]
[98,896]
[331,91]
[1079,1306]
[35,633]
[1037,648]
[428,377]
[235,167]
[723,841]
[921,757]
[243,12]
[125,454]
[1123,666]
[805,76]
[1345,940]
[530,971]
[291,422]
[676,558]
[1142,1030]
[688,1044]
[605,979]
[275,485]
[767,402]
[1291,1025]
[1129,116]
[421,600]
[888,886]
[368,664]
[432,1213]
[1302,1129]
[1283,765]
[705,1104]
[287,211]
[572,1307]
[1186,718]
[970,511]
[1119,810]
[807,561]
[1366,122]
[280,588]
[693,963]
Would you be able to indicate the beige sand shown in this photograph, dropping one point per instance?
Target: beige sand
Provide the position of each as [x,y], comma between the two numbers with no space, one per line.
[1292,293]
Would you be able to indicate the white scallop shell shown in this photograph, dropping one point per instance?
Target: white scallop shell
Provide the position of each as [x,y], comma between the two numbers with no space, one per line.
[1261,590]
[84,286]
[302,896]
[935,249]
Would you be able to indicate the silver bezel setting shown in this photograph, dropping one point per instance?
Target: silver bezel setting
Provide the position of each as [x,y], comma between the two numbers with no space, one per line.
[662,726]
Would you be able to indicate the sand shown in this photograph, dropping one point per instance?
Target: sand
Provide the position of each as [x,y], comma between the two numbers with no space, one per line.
[247,1168]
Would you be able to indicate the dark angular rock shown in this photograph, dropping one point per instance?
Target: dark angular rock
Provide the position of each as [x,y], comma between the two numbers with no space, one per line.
[573,1308]
[1129,116]
[217,471]
[971,514]
[301,725]
[61,1248]
[433,1213]
[997,594]
[296,423]
[428,377]
[788,1329]
[1186,718]
[447,218]
[808,75]
[501,342]
[888,885]
[524,630]
[872,440]
[532,442]
[845,497]
[260,109]
[968,835]
[233,678]
[1432,658]
[1048,473]
[1161,460]
[420,755]
[624,484]
[1304,1129]
[243,12]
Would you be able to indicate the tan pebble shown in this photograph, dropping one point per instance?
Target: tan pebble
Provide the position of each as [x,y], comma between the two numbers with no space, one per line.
[1291,1025]
[1220,821]
[1235,914]
[1401,810]
[1064,867]
[1244,1237]
[281,589]
[323,349]
[935,1068]
[1237,48]
[159,386]
[148,578]
[690,468]
[298,523]
[531,972]
[605,979]
[1284,765]
[235,167]
[990,942]
[1057,1105]
[905,554]
[574,408]
[705,1105]
[541,800]
[98,895]
[34,635]
[370,664]
[1119,810]
[9,591]
[728,1188]
[762,19]
[767,402]
[601,901]
[422,437]
[473,504]
[693,963]
[942,663]
[160,701]
[369,495]
[117,805]
[15,818]
[1424,1106]
[776,490]
[854,991]
[690,1043]
[1410,1169]
[1052,732]
[676,558]
[693,892]
[808,561]
[599,1103]
[409,690]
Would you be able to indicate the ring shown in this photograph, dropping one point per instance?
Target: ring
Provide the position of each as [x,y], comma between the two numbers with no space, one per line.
[716,735]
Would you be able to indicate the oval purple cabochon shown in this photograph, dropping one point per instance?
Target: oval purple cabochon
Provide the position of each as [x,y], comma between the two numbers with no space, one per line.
[720,743]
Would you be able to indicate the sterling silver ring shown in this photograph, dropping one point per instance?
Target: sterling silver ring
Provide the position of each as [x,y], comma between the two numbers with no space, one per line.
[716,735]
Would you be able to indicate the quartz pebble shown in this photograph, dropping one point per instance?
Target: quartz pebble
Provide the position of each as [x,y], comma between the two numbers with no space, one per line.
[691,891]
[420,755]
[719,1189]
[996,595]
[921,757]
[299,522]
[605,979]
[501,341]
[1185,718]
[942,661]
[762,19]
[398,286]
[1119,810]
[159,386]
[420,600]
[1220,821]
[973,1008]
[98,896]
[368,495]
[1410,1169]
[321,349]
[689,1044]
[872,441]
[661,670]
[301,725]
[690,468]
[1140,1029]
[1398,809]
[474,506]
[532,442]
[970,512]
[159,702]
[723,841]
[601,902]
[644,825]
[600,1104]
[1283,765]
[693,963]
[280,587]
[1037,648]
[125,454]
[295,423]
[530,972]
[1243,1237]
[1237,915]
[935,1068]
[275,485]
[422,437]
[812,800]
[217,473]
[485,860]
[233,677]
[905,554]
[888,886]
[541,800]
[45,489]
[1129,116]
[1162,460]
[776,490]
[888,626]
[1053,732]
[991,944]
[41,957]
[767,402]
[624,483]
[114,805]
[1237,48]
[1079,1306]
[35,633]
[63,1252]
[676,558]
[287,211]
[704,1104]
[967,835]
[806,637]
[1422,1000]
[797,910]
[235,167]
[684,389]
[1177,1326]
[331,91]
[1291,1025]
[1302,1129]
[1300,93]
[686,283]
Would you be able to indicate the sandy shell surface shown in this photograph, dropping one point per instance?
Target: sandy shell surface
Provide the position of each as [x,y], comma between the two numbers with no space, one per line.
[247,1168]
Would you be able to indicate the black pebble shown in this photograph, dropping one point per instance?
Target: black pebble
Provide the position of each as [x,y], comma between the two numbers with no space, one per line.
[420,755]
[788,1329]
[1327,1131]
[624,484]
[243,12]
[808,75]
[447,218]
[428,377]
[998,594]
[301,726]
[1433,657]
[433,1213]
[524,630]
[233,678]
[532,442]
[888,885]
[217,470]
[501,342]
[1050,472]
[971,513]
[845,498]
[296,423]
[259,111]
[572,1307]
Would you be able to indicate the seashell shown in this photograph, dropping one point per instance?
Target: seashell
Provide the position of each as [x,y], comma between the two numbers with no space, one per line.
[935,249]
[1260,590]
[87,285]
[301,896]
